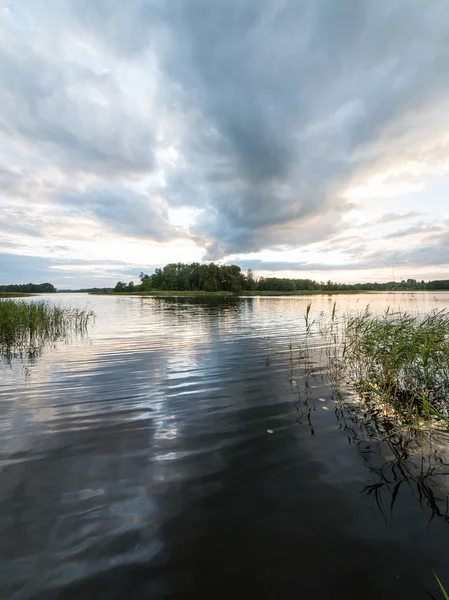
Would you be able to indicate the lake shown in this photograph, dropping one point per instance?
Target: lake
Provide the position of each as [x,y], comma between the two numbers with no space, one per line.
[136,462]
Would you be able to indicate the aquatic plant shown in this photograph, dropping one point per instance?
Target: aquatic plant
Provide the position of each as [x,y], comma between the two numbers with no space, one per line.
[398,359]
[445,594]
[402,360]
[26,326]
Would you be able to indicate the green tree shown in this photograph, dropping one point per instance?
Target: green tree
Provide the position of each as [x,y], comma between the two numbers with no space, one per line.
[145,282]
[250,281]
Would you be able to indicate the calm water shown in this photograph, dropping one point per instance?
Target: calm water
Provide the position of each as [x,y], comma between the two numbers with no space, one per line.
[136,463]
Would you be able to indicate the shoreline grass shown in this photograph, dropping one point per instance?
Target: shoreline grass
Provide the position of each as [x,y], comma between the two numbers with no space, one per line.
[26,326]
[15,295]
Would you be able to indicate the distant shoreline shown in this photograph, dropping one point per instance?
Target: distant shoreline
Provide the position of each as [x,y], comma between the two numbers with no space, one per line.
[15,295]
[231,294]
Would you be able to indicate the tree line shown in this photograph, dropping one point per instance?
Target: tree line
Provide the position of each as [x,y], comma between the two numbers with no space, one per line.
[193,277]
[29,288]
[229,278]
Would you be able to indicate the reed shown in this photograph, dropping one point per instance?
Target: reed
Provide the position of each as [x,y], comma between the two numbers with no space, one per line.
[443,591]
[397,358]
[25,326]
[401,359]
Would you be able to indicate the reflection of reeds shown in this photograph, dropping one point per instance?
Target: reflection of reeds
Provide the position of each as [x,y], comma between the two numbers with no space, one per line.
[420,469]
[398,364]
[391,352]
[26,326]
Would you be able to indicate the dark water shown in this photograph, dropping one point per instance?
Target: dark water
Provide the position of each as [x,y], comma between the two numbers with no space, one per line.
[136,463]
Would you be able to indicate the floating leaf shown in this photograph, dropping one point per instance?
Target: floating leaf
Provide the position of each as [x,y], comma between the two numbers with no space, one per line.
[269,431]
[293,382]
[325,408]
[322,399]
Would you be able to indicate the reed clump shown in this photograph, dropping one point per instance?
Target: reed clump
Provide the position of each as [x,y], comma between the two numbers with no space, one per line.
[26,326]
[402,359]
[397,359]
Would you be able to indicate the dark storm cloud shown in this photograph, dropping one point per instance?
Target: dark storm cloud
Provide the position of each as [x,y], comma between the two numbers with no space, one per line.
[290,96]
[433,251]
[40,107]
[274,108]
[123,210]
[126,28]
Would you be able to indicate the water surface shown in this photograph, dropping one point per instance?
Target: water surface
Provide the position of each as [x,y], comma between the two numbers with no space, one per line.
[136,463]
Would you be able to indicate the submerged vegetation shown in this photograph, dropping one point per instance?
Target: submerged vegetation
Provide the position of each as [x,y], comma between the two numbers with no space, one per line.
[26,326]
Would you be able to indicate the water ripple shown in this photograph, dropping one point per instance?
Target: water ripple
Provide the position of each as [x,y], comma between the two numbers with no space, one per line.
[136,462]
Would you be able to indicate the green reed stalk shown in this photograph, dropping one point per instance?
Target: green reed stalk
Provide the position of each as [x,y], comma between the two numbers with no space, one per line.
[403,359]
[25,325]
[445,594]
[398,358]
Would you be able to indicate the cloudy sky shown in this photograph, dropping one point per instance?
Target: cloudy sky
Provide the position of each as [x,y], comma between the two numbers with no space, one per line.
[306,139]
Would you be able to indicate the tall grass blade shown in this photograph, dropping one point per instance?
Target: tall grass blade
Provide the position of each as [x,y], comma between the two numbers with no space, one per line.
[445,594]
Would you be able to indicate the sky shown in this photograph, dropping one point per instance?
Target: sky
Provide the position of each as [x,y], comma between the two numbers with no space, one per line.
[301,139]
